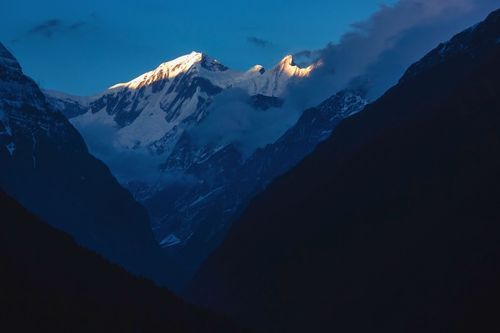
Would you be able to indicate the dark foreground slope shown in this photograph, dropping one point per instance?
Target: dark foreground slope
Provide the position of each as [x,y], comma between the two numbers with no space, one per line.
[50,284]
[391,225]
[45,165]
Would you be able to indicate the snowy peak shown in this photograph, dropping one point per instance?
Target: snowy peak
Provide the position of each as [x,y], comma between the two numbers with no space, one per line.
[287,61]
[288,67]
[173,68]
[212,64]
[273,83]
[151,112]
[7,59]
[193,59]
[204,66]
[257,69]
[183,62]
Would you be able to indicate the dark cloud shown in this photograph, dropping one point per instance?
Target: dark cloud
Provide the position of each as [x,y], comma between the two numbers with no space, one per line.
[258,41]
[52,27]
[76,25]
[305,58]
[250,28]
[47,28]
[377,51]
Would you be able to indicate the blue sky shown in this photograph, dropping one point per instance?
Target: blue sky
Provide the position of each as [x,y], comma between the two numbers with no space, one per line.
[82,47]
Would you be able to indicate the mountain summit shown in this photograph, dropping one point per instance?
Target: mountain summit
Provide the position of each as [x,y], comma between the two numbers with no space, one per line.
[287,65]
[255,80]
[171,69]
[7,60]
[151,112]
[169,136]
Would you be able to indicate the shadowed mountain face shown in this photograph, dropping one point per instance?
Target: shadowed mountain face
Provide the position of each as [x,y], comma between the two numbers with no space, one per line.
[194,217]
[174,138]
[50,284]
[45,165]
[392,224]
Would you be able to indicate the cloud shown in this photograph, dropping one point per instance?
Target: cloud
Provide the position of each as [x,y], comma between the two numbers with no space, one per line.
[258,41]
[52,27]
[47,28]
[250,28]
[372,56]
[231,119]
[76,25]
[127,164]
[377,51]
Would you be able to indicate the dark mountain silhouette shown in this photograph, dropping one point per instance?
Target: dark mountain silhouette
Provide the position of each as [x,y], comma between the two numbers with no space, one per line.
[45,165]
[227,181]
[194,185]
[392,224]
[50,284]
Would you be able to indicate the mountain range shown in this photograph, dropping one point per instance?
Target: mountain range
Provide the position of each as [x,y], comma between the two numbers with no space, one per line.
[50,284]
[391,224]
[351,216]
[174,126]
[46,166]
[152,112]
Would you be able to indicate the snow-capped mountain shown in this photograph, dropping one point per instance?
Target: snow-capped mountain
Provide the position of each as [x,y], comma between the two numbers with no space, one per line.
[25,115]
[151,112]
[173,127]
[191,218]
[46,166]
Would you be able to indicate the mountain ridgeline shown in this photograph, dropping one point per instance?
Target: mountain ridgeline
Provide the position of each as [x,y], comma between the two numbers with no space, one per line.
[50,284]
[162,122]
[196,217]
[392,223]
[45,165]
